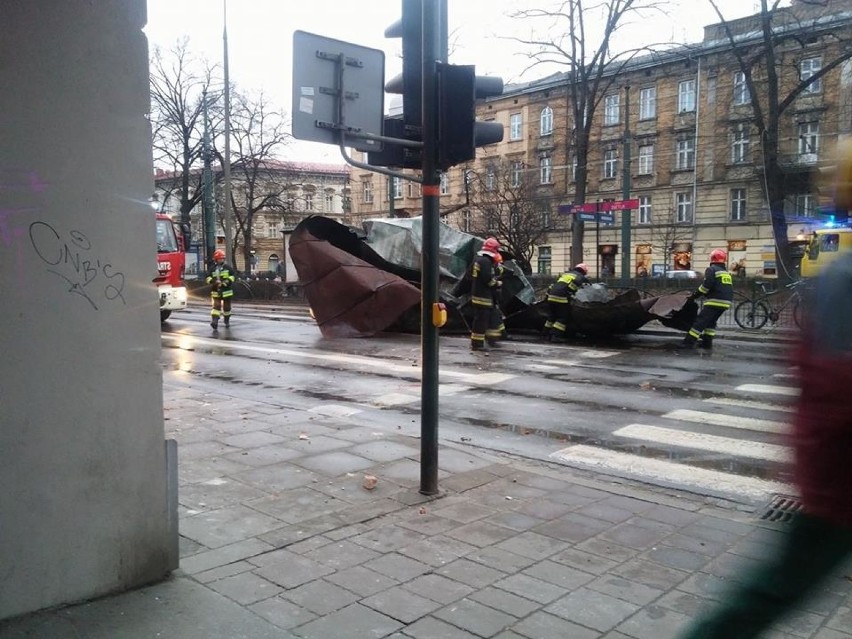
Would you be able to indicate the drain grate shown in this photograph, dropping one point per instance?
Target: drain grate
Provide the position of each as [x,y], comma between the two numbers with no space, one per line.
[781,509]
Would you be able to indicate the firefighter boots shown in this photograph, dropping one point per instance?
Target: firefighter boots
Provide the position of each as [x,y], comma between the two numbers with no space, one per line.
[706,343]
[476,345]
[214,323]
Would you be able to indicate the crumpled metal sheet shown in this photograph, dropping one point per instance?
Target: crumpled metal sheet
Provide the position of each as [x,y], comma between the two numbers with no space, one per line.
[349,297]
[628,312]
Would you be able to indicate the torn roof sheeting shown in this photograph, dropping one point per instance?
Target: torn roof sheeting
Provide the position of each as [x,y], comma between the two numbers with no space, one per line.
[349,296]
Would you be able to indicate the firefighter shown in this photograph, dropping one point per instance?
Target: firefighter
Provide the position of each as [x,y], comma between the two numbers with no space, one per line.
[499,320]
[559,296]
[484,282]
[221,279]
[718,291]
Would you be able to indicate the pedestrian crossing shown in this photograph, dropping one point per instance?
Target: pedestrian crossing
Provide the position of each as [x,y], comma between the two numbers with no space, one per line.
[738,438]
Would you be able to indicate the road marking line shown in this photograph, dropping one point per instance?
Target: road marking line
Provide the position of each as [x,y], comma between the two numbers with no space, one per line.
[746,403]
[671,473]
[729,421]
[334,410]
[395,399]
[477,379]
[709,443]
[768,389]
[542,367]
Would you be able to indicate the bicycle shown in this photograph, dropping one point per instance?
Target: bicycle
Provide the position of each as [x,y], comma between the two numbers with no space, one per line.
[753,313]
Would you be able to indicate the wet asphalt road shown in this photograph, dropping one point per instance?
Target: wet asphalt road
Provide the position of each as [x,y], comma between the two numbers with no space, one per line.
[634,395]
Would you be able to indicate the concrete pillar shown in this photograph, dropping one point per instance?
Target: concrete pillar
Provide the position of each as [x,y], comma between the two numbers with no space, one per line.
[83,481]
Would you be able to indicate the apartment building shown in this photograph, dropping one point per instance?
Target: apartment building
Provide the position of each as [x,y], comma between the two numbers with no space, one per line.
[295,190]
[685,118]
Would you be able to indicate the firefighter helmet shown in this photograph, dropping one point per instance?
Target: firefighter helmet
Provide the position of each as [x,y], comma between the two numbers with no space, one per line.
[718,256]
[582,268]
[491,245]
[218,254]
[498,259]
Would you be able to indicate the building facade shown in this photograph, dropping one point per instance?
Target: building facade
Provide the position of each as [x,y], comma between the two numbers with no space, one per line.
[293,191]
[675,131]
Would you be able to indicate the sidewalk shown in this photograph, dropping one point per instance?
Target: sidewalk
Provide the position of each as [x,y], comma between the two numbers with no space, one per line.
[279,539]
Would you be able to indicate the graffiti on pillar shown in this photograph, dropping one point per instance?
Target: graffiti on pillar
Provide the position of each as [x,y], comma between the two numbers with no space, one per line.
[73,258]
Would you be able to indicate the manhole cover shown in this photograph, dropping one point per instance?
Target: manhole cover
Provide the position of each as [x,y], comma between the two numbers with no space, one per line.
[781,509]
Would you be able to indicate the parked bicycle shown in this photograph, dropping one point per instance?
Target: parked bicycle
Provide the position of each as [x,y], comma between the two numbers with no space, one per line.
[754,313]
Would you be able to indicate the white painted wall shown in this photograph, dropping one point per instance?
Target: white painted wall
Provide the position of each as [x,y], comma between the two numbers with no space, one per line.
[82,459]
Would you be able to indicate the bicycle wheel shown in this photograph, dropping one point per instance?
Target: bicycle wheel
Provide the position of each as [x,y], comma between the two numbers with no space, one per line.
[751,315]
[798,313]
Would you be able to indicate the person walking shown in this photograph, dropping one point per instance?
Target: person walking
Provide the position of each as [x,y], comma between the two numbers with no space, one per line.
[819,538]
[718,291]
[559,295]
[484,282]
[221,279]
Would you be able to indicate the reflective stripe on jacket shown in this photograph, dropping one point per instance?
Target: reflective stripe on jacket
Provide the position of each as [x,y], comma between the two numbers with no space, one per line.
[717,287]
[483,281]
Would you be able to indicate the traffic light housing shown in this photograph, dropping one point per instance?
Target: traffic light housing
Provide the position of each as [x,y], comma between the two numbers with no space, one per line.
[459,132]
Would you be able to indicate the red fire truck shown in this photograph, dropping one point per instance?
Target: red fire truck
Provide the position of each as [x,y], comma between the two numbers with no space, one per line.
[171,266]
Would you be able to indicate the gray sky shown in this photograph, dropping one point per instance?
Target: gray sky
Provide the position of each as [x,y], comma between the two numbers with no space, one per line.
[260,37]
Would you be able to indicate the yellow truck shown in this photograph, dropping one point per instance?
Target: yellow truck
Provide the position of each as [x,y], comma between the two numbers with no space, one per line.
[824,247]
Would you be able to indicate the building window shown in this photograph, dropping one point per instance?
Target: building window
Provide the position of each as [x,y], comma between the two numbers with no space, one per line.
[517,173]
[445,183]
[683,202]
[573,168]
[490,179]
[611,109]
[807,69]
[648,103]
[515,126]
[644,209]
[686,96]
[545,217]
[738,205]
[610,165]
[329,202]
[646,159]
[544,260]
[741,92]
[805,205]
[808,141]
[413,189]
[546,170]
[740,144]
[546,121]
[367,192]
[467,220]
[686,154]
[309,201]
[396,188]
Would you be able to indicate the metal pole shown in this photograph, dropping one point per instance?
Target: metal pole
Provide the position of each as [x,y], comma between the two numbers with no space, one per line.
[431,229]
[391,193]
[625,193]
[226,168]
[207,193]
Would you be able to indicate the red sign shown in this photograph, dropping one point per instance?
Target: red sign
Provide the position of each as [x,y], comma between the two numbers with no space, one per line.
[599,207]
[620,205]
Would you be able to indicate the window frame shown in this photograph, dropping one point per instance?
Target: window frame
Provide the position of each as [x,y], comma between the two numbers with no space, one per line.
[740,144]
[612,109]
[737,203]
[812,69]
[685,154]
[684,207]
[544,260]
[546,121]
[648,103]
[686,96]
[546,170]
[645,160]
[742,95]
[516,175]
[610,164]
[367,192]
[516,124]
[645,210]
[808,138]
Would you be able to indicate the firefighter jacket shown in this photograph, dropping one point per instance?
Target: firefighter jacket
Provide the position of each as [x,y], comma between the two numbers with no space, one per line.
[221,279]
[566,286]
[484,280]
[717,287]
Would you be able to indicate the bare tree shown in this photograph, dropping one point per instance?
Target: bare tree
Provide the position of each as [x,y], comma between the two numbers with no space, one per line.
[765,63]
[592,66]
[179,84]
[258,137]
[505,204]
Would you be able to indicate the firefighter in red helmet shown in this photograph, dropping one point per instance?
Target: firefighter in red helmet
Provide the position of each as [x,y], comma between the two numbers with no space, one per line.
[220,277]
[718,291]
[484,283]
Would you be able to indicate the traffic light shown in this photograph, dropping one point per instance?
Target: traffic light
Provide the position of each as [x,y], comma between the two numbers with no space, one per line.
[410,85]
[459,132]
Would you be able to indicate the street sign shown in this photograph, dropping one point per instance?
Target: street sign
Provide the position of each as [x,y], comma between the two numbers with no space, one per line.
[597,208]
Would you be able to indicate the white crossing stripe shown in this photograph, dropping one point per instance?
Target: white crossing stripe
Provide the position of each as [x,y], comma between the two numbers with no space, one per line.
[728,421]
[768,389]
[542,367]
[709,443]
[334,410]
[671,473]
[747,403]
[395,399]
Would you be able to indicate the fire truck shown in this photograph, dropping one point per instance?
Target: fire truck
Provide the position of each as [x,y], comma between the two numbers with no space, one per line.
[171,266]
